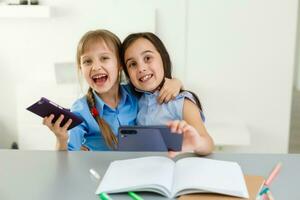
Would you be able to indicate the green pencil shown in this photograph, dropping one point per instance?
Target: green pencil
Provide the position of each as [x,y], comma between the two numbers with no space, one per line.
[134,196]
[104,196]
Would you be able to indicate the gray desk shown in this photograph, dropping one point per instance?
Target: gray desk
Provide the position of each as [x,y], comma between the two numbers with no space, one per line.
[43,175]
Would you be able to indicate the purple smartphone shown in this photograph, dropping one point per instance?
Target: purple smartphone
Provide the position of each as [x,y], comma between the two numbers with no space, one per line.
[45,107]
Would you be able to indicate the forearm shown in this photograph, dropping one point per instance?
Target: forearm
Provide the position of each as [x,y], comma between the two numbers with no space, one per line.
[179,82]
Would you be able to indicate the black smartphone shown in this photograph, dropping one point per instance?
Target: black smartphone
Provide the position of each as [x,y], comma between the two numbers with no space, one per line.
[148,138]
[45,107]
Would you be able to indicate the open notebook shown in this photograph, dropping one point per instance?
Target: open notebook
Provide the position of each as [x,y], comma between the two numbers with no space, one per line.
[172,179]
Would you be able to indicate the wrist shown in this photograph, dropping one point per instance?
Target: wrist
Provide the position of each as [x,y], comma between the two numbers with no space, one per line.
[61,143]
[179,83]
[62,139]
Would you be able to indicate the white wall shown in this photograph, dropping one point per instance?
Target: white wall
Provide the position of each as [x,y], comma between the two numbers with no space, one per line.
[298,77]
[297,56]
[242,55]
[237,55]
[31,47]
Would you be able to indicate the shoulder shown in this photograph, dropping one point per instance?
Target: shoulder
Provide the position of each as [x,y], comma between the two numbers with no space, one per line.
[81,108]
[190,104]
[186,95]
[128,88]
[79,105]
[176,106]
[129,91]
[191,108]
[191,111]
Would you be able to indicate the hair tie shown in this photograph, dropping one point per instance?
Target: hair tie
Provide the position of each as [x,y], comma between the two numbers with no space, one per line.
[94,111]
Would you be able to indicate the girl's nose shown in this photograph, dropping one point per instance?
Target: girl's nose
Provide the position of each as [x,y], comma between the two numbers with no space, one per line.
[142,68]
[97,66]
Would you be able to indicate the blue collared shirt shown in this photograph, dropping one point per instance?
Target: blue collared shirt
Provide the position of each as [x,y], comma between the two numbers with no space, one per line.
[153,113]
[88,132]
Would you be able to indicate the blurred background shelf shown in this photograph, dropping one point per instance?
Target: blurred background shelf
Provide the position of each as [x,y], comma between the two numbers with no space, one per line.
[24,11]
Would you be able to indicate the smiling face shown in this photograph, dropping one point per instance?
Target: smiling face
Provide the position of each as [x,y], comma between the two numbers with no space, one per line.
[100,67]
[144,65]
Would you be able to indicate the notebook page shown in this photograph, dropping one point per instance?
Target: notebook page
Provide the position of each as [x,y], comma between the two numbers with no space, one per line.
[209,175]
[123,175]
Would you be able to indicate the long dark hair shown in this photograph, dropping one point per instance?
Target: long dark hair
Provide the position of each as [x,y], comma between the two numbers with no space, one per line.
[160,47]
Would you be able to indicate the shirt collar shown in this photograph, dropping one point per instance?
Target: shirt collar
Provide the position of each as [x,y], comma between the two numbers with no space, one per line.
[101,105]
[124,95]
[150,98]
[155,94]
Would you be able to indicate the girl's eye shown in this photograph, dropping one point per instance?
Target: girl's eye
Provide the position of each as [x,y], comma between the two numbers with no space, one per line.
[147,58]
[132,65]
[104,58]
[87,62]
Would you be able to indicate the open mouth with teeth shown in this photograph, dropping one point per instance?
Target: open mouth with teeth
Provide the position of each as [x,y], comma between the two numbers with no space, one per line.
[99,79]
[145,78]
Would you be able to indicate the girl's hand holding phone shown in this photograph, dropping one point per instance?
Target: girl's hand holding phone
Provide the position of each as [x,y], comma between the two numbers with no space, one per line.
[61,133]
[191,137]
